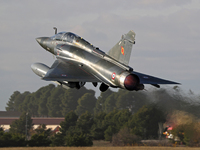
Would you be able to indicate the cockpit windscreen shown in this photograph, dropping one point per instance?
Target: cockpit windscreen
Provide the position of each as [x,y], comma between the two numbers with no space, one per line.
[72,38]
[65,36]
[58,36]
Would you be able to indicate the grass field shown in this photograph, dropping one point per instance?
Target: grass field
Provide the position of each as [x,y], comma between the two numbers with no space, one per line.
[102,145]
[101,148]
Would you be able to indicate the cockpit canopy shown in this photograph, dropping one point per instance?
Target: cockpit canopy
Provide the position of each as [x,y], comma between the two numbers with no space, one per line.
[64,36]
[69,37]
[75,40]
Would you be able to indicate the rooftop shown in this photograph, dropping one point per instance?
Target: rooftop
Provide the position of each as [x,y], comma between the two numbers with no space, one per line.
[36,121]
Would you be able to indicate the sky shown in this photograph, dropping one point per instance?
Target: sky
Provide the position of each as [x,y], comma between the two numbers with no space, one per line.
[167,37]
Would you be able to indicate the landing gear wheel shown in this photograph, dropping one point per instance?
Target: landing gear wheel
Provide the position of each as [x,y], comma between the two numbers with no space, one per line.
[95,84]
[103,87]
[78,85]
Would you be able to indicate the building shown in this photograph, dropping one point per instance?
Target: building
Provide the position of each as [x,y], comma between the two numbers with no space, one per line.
[6,118]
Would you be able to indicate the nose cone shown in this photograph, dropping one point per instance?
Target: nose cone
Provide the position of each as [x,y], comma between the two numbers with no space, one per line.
[39,40]
[46,43]
[42,41]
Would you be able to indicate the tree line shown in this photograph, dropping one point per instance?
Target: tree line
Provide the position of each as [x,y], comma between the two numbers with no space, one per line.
[52,101]
[82,130]
[121,117]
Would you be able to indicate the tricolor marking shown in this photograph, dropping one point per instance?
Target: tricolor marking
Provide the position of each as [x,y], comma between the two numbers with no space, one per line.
[113,75]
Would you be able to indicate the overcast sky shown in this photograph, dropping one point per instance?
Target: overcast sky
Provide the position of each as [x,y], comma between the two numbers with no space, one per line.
[167,37]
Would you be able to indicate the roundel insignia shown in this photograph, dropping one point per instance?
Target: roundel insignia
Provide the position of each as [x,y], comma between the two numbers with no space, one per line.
[113,75]
[122,50]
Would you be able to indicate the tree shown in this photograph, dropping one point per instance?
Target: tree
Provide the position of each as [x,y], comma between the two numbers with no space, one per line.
[16,99]
[41,137]
[74,131]
[109,132]
[39,140]
[11,140]
[30,105]
[43,110]
[144,123]
[109,125]
[24,106]
[75,137]
[98,127]
[70,120]
[120,118]
[86,103]
[70,99]
[19,126]
[110,103]
[57,140]
[11,102]
[114,121]
[85,122]
[100,101]
[54,102]
[69,102]
[33,104]
[124,99]
[132,101]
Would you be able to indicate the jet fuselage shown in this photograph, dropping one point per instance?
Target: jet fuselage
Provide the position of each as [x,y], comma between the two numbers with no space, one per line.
[78,62]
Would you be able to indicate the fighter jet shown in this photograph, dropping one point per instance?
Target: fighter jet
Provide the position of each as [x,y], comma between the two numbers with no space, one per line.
[79,62]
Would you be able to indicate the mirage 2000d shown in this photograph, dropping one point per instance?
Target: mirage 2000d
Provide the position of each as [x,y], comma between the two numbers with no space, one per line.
[79,62]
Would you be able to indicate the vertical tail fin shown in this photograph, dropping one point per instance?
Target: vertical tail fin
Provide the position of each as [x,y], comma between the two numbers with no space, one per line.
[122,50]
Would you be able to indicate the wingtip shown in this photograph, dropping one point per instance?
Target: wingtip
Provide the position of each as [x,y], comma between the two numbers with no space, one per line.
[176,83]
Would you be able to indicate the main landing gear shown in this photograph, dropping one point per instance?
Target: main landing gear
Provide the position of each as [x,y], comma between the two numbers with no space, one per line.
[103,87]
